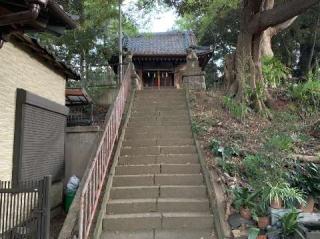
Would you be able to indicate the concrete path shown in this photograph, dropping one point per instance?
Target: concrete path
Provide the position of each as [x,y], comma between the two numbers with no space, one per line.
[158,190]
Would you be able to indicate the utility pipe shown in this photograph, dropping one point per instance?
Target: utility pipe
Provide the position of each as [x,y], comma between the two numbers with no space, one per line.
[120,45]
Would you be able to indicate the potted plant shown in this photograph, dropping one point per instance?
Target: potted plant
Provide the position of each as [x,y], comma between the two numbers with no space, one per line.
[260,213]
[244,201]
[256,233]
[281,194]
[306,177]
[262,236]
[290,225]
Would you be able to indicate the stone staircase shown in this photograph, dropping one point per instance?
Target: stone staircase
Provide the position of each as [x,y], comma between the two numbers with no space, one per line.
[158,191]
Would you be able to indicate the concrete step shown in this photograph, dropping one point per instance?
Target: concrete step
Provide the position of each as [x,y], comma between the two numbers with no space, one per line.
[159,135]
[178,159]
[189,149]
[125,222]
[160,234]
[176,142]
[179,179]
[158,169]
[180,168]
[184,234]
[139,104]
[160,159]
[183,191]
[163,96]
[157,129]
[180,113]
[148,221]
[161,142]
[125,206]
[160,107]
[158,150]
[138,160]
[156,123]
[133,180]
[161,118]
[139,142]
[157,179]
[162,136]
[136,234]
[145,192]
[139,192]
[149,101]
[187,220]
[138,169]
[182,205]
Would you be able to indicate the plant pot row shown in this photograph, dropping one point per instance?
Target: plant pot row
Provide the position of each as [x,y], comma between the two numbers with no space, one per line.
[308,207]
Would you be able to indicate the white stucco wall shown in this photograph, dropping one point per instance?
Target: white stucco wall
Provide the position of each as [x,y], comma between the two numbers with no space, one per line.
[20,69]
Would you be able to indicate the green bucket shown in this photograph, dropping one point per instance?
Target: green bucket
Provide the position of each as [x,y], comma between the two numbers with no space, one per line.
[68,199]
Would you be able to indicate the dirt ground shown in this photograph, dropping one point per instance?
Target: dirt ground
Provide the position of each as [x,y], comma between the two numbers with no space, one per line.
[56,225]
[250,134]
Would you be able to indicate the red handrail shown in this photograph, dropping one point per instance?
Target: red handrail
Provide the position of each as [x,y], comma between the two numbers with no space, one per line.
[100,165]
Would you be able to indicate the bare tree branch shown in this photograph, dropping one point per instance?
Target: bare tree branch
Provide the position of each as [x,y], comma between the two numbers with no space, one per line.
[282,26]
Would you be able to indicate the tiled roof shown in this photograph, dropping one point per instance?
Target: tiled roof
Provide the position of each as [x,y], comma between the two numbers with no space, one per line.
[164,43]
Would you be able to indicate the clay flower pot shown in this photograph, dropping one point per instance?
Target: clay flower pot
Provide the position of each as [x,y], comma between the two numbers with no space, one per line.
[276,204]
[309,207]
[263,222]
[245,213]
[262,237]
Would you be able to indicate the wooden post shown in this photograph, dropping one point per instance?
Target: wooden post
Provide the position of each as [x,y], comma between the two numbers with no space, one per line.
[47,182]
[159,80]
[140,73]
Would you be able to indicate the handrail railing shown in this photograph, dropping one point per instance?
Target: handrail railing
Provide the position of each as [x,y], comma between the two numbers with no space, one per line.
[101,164]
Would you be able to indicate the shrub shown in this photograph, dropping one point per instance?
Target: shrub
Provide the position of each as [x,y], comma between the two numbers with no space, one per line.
[217,149]
[306,177]
[237,110]
[307,94]
[254,166]
[198,128]
[260,169]
[244,198]
[227,166]
[280,142]
[274,71]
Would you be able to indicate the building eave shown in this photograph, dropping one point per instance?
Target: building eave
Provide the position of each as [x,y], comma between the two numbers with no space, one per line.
[46,55]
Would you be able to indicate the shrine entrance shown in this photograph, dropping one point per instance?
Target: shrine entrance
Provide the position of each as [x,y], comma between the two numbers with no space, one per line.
[163,79]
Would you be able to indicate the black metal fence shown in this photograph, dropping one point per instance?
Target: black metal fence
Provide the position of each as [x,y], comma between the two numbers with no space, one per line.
[25,210]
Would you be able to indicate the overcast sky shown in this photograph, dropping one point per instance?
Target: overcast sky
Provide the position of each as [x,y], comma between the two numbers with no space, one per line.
[160,20]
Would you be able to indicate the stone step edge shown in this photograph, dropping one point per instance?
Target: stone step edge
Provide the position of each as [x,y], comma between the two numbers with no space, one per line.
[156,200]
[159,214]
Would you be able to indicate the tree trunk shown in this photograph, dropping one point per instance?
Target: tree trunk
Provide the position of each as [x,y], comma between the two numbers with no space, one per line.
[315,35]
[248,68]
[305,49]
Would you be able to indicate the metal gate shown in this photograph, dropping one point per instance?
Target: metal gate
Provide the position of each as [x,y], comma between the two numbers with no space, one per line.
[25,210]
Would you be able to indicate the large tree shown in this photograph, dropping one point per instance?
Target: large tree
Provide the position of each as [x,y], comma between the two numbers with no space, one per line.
[258,16]
[89,47]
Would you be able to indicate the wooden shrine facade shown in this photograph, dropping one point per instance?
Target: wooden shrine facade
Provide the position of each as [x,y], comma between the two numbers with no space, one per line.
[160,59]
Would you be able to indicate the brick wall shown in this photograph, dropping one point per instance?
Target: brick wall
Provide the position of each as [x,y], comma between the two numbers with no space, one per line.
[20,68]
